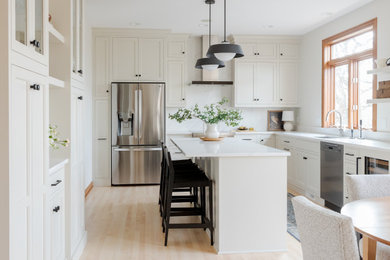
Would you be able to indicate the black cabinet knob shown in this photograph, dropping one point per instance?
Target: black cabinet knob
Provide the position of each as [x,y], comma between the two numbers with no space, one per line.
[107,91]
[281,54]
[281,99]
[80,72]
[35,87]
[304,158]
[56,209]
[183,99]
[183,52]
[35,43]
[80,98]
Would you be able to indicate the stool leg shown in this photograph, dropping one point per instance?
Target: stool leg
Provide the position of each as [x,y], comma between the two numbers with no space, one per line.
[211,213]
[203,203]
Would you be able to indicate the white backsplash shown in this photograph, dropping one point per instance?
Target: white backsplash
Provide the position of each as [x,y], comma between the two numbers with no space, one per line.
[203,95]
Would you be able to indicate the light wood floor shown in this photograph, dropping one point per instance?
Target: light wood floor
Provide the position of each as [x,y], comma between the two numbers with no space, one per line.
[124,223]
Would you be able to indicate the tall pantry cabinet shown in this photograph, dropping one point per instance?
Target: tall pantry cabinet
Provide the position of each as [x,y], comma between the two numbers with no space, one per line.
[42,214]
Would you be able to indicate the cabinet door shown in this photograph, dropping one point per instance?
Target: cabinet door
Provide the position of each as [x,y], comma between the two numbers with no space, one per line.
[266,50]
[38,30]
[26,164]
[151,59]
[176,48]
[312,176]
[249,49]
[299,173]
[124,59]
[57,226]
[102,154]
[288,50]
[288,83]
[264,87]
[76,209]
[77,126]
[175,83]
[244,83]
[102,66]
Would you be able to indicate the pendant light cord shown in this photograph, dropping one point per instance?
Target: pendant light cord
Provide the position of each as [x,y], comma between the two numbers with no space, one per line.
[224,33]
[209,24]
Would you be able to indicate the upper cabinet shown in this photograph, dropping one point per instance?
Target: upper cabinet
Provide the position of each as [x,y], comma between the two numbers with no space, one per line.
[77,38]
[267,76]
[176,70]
[259,50]
[137,59]
[29,23]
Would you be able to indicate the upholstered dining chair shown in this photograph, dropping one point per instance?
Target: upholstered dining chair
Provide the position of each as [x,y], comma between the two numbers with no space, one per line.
[324,234]
[361,187]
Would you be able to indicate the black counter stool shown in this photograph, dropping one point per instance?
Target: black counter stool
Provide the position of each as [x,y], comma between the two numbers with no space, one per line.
[181,167]
[192,179]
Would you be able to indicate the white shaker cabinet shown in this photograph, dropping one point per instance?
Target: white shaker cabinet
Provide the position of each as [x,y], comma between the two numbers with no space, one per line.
[288,51]
[102,84]
[255,83]
[78,39]
[124,59]
[137,59]
[29,29]
[75,180]
[151,59]
[288,83]
[175,90]
[259,50]
[27,164]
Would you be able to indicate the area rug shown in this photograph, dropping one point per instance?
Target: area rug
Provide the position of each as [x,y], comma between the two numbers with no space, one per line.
[291,223]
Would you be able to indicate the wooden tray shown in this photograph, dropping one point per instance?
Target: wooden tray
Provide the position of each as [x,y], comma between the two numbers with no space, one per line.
[211,139]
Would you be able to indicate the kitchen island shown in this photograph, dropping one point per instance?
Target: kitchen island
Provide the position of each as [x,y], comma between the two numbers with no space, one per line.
[250,187]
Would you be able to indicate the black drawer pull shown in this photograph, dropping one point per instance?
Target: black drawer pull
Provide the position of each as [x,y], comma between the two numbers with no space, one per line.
[247,139]
[349,154]
[304,158]
[287,142]
[286,149]
[35,43]
[80,98]
[348,173]
[35,87]
[57,182]
[56,209]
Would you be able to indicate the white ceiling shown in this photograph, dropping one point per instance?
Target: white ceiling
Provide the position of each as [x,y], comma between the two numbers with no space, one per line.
[295,17]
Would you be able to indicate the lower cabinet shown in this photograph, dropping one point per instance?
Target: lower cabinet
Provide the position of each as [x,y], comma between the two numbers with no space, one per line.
[57,226]
[303,166]
[26,164]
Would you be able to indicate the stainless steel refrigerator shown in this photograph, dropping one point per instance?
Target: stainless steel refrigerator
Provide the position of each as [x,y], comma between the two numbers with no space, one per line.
[138,127]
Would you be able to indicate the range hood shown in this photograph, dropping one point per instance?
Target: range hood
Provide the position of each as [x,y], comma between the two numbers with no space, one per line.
[210,77]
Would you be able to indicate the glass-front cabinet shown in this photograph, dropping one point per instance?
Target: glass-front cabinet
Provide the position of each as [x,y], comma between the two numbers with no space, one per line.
[28,28]
[77,35]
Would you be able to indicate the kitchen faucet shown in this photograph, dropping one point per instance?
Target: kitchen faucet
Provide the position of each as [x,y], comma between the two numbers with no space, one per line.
[341,130]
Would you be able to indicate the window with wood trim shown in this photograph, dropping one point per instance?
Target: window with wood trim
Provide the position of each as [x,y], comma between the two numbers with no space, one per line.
[346,85]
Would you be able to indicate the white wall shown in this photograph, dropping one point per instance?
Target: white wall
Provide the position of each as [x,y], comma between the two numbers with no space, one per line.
[311,65]
[204,94]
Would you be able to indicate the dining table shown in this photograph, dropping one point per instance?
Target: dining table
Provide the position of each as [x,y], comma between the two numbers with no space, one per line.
[371,218]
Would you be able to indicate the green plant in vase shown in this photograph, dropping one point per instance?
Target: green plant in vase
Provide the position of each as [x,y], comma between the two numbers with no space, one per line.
[211,115]
[54,140]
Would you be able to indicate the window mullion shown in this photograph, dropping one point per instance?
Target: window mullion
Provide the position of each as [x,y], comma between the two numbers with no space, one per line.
[356,94]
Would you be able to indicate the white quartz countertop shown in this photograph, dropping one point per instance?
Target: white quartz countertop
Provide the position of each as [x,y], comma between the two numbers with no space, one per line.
[228,147]
[57,163]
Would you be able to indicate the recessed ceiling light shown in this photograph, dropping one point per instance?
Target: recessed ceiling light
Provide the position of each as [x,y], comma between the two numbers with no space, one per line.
[134,24]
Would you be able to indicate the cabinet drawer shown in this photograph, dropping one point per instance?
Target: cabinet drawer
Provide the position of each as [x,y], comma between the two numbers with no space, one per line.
[56,180]
[350,154]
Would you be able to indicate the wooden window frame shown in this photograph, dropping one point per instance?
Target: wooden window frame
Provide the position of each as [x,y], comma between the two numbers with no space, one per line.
[328,77]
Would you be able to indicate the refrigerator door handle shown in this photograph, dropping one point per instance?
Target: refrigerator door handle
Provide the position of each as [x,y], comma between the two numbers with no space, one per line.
[136,116]
[139,116]
[137,149]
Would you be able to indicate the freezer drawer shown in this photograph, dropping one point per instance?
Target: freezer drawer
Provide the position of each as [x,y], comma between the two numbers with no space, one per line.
[135,165]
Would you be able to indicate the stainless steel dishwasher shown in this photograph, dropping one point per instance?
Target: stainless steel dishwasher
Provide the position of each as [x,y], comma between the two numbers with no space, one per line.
[332,175]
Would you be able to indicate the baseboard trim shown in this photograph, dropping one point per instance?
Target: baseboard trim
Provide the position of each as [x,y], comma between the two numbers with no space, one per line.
[88,189]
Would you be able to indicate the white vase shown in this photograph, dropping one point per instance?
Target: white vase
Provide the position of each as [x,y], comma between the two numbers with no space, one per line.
[212,131]
[288,126]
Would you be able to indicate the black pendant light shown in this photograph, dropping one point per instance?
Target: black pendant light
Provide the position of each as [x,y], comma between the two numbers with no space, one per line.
[225,51]
[210,63]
